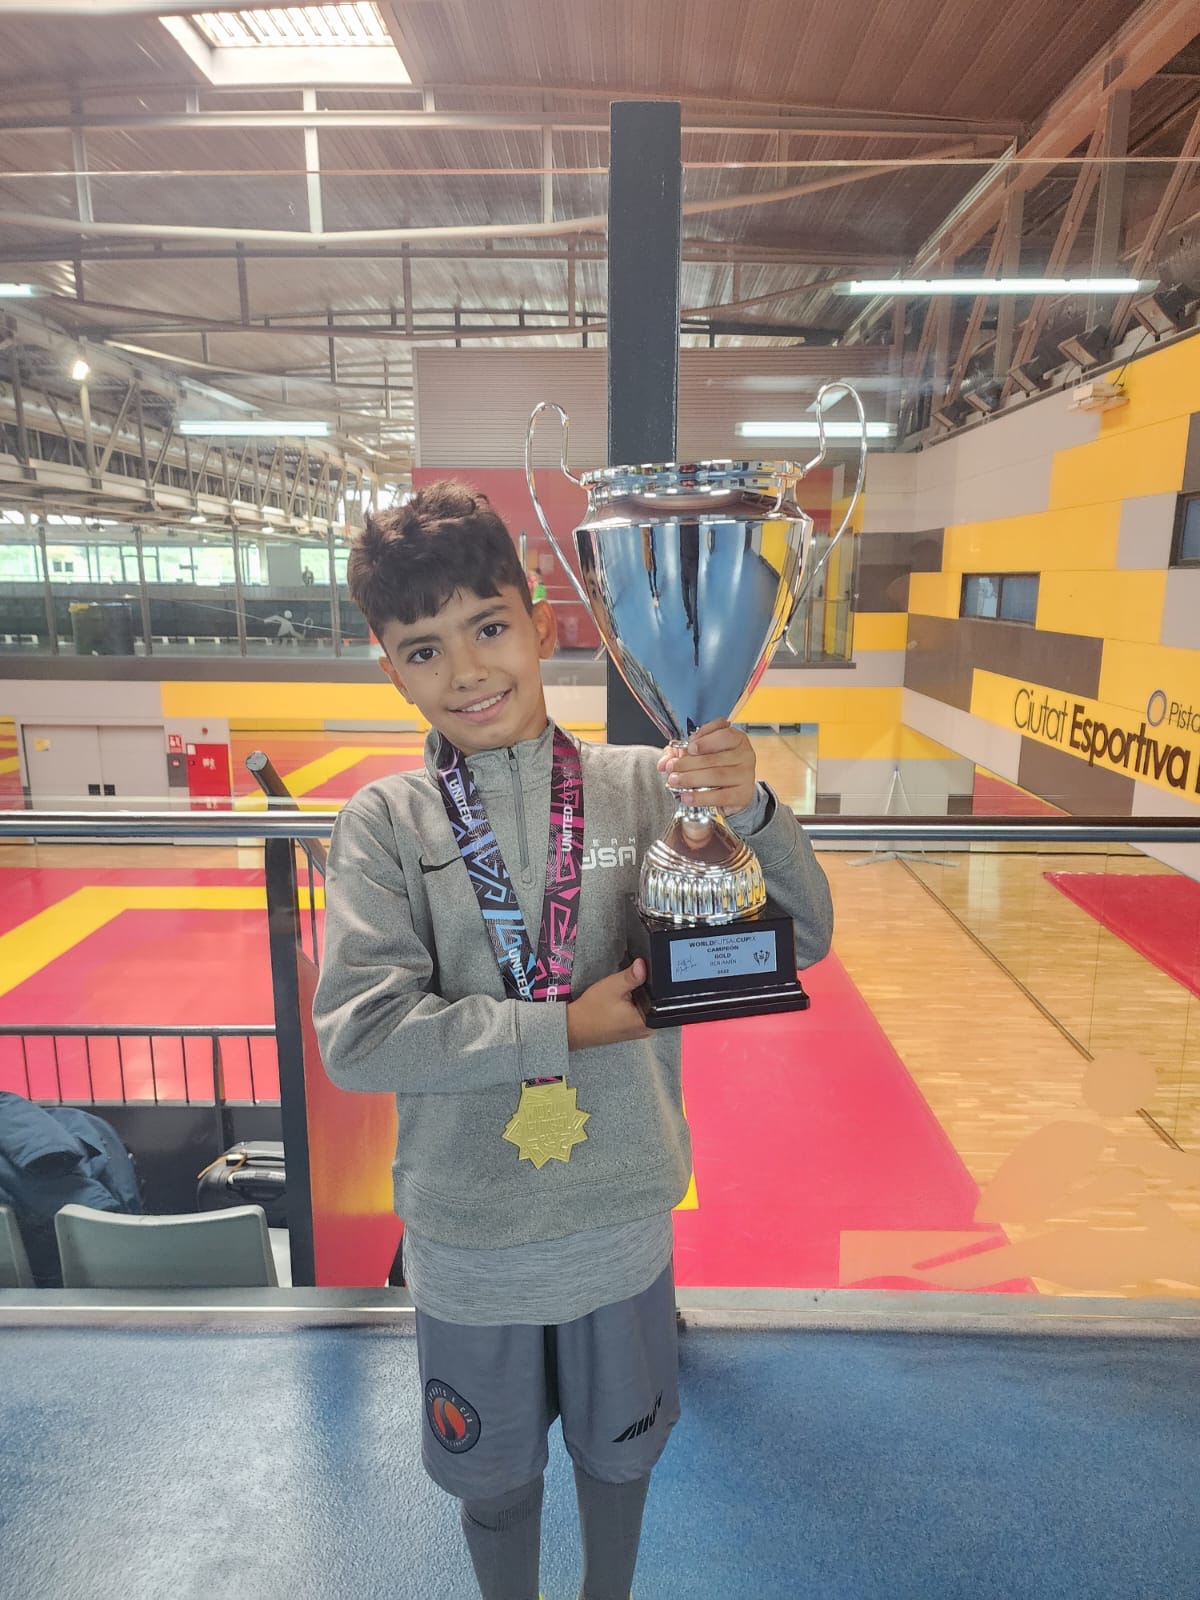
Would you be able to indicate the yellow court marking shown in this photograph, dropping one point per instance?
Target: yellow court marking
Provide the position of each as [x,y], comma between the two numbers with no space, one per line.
[314,773]
[9,764]
[691,1200]
[34,944]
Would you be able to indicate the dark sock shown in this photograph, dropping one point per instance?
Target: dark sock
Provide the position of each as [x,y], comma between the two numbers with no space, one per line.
[610,1521]
[504,1536]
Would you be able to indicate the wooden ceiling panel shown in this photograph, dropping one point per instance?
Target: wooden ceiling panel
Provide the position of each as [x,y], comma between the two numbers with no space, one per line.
[85,50]
[937,56]
[534,60]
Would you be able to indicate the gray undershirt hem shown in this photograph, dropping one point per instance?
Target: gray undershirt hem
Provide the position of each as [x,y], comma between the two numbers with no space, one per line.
[548,1282]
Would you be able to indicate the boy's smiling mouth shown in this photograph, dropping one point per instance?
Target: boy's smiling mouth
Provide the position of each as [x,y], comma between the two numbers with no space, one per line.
[482,710]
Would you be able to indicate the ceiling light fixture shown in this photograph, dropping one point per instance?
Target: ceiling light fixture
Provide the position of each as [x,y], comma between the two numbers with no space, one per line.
[987,286]
[1163,312]
[952,414]
[809,430]
[1033,375]
[80,371]
[986,397]
[256,427]
[1087,349]
[21,291]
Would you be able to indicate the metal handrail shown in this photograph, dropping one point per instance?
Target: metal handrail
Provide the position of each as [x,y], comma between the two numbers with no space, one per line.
[71,1030]
[235,825]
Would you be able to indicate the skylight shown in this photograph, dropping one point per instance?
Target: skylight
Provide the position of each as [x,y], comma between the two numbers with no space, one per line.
[355,23]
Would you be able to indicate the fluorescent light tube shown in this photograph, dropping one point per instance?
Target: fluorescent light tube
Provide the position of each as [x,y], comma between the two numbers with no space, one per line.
[809,430]
[257,427]
[21,291]
[974,286]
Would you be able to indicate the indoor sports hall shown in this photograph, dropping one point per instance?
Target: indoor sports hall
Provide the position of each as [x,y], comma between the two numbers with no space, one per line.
[836,372]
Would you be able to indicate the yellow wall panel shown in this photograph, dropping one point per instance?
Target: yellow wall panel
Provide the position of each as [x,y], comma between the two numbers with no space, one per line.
[259,704]
[914,746]
[1162,386]
[1164,754]
[1102,605]
[278,724]
[786,704]
[1131,673]
[1118,466]
[1075,539]
[934,594]
[880,630]
[855,741]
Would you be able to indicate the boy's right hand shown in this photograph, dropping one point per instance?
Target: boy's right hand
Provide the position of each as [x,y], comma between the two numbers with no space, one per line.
[605,1013]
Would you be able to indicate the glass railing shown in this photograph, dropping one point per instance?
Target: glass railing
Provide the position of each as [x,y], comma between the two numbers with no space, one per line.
[996,1088]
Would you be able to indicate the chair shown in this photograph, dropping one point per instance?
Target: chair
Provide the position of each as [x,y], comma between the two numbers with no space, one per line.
[15,1271]
[205,1250]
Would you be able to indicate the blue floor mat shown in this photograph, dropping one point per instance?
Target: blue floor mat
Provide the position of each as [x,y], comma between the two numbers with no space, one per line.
[847,1466]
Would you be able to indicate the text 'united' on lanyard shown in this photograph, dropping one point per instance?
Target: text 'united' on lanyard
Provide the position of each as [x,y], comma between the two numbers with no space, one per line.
[547,1124]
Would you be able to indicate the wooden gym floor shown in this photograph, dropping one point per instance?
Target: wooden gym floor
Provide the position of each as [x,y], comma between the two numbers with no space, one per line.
[991,988]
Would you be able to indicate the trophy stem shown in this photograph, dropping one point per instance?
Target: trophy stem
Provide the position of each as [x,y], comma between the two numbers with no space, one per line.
[700,872]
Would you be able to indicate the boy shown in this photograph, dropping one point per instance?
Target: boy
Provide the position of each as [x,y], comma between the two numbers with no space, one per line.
[541,1273]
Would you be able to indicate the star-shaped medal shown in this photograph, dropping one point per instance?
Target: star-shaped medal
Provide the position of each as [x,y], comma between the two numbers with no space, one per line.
[547,1125]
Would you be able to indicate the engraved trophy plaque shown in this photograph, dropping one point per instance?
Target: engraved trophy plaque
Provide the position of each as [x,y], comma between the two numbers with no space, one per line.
[693,573]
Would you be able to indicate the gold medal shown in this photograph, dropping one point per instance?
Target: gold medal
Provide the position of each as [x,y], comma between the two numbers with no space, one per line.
[547,1125]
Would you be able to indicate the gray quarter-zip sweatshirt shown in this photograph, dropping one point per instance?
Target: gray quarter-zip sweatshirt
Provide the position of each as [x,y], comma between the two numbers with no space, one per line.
[410,999]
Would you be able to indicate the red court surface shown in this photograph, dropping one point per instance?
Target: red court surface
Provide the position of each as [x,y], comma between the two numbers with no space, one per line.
[804,1126]
[996,797]
[1155,913]
[304,761]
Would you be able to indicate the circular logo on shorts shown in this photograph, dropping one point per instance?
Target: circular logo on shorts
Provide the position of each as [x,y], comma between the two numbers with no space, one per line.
[454,1421]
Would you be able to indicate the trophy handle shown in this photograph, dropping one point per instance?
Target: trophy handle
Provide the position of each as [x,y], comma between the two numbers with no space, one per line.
[549,405]
[837,389]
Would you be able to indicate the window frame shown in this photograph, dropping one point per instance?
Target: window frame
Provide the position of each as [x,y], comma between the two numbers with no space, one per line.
[1182,503]
[999,578]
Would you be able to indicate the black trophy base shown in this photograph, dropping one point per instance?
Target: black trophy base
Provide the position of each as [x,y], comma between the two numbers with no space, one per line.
[708,974]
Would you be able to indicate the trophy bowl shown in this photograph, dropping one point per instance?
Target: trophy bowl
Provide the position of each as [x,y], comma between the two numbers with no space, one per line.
[693,573]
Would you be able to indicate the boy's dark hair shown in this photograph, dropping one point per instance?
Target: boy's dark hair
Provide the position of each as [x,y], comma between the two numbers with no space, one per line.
[407,562]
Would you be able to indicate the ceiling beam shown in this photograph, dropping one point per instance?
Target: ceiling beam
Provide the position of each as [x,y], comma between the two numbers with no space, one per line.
[453,331]
[415,121]
[975,320]
[565,226]
[819,119]
[1167,202]
[1155,33]
[807,254]
[1068,232]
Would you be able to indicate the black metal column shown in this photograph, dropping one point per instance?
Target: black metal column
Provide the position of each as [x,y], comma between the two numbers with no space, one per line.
[644,225]
[283,923]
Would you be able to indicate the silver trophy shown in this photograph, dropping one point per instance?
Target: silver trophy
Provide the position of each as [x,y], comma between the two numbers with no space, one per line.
[693,573]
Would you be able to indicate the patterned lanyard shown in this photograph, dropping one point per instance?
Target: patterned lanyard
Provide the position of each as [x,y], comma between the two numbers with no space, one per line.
[546,974]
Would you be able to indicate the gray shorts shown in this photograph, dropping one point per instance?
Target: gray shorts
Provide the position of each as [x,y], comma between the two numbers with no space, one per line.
[490,1395]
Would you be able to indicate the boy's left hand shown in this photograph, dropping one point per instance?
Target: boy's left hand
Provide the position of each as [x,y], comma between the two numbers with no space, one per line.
[719,760]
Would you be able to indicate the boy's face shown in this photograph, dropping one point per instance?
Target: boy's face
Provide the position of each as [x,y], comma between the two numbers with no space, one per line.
[473,668]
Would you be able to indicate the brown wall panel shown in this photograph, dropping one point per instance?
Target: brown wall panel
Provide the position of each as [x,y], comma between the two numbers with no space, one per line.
[1066,781]
[916,552]
[945,650]
[885,560]
[938,662]
[882,588]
